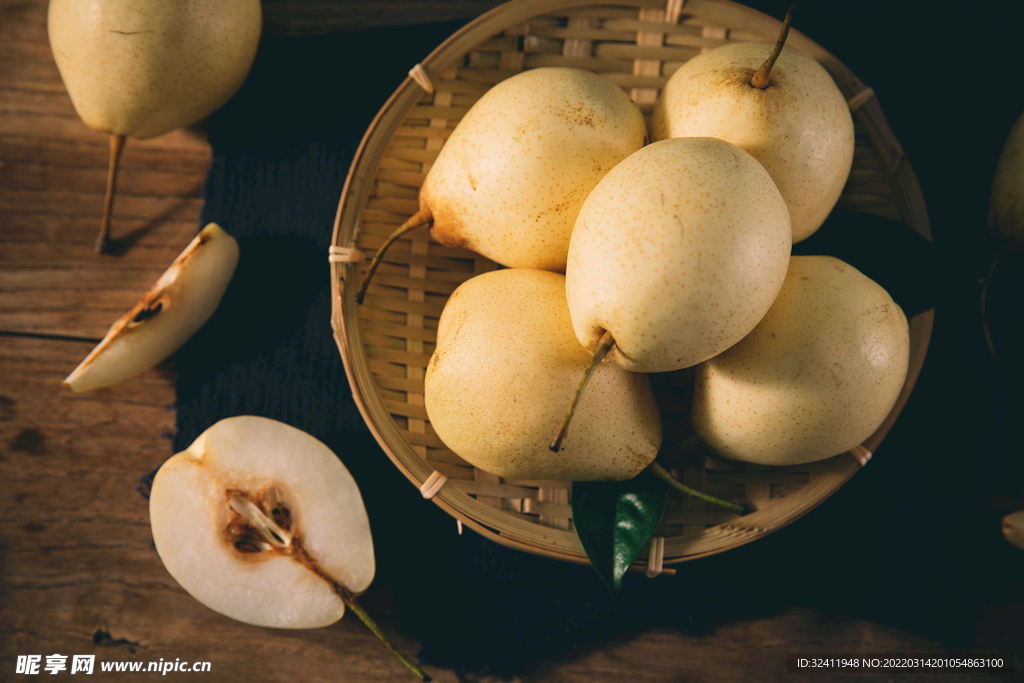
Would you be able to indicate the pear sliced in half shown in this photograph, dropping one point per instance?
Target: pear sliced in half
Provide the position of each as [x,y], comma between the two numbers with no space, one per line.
[263,523]
[173,310]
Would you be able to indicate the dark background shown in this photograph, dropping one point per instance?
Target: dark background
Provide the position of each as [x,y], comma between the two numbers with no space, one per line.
[912,541]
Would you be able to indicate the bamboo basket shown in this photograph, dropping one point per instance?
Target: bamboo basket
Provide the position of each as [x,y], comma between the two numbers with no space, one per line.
[386,343]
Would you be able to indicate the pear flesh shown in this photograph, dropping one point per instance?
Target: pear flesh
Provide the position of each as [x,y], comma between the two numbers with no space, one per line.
[497,382]
[678,253]
[799,127]
[167,316]
[512,176]
[815,378]
[142,69]
[320,549]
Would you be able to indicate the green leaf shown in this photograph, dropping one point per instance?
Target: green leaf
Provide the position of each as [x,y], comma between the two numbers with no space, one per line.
[615,521]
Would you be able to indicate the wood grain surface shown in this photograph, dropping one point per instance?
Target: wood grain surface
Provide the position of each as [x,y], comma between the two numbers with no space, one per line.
[78,570]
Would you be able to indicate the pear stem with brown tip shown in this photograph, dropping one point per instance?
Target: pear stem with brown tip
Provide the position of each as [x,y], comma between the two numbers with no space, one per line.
[116,145]
[762,78]
[667,477]
[421,217]
[604,345]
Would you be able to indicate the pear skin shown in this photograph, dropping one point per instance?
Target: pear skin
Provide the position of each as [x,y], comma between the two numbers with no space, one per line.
[817,376]
[1006,205]
[142,69]
[510,180]
[678,252]
[799,127]
[505,364]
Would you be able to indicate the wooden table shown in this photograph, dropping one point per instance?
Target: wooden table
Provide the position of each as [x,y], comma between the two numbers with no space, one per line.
[78,570]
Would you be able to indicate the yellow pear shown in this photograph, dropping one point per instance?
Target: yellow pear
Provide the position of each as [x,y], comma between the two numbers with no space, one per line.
[815,378]
[512,176]
[141,69]
[677,254]
[167,316]
[1006,205]
[496,386]
[798,124]
[1013,528]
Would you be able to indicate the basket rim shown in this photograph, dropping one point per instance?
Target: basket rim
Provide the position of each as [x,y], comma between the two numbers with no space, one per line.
[346,324]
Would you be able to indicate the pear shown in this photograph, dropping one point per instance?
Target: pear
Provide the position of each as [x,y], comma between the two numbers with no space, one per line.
[1006,205]
[141,69]
[815,378]
[509,181]
[1013,528]
[794,120]
[1005,214]
[677,253]
[495,386]
[173,310]
[262,523]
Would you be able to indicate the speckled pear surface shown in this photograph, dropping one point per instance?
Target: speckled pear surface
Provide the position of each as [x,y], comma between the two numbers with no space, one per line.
[505,366]
[142,69]
[799,127]
[678,252]
[815,378]
[1006,205]
[510,180]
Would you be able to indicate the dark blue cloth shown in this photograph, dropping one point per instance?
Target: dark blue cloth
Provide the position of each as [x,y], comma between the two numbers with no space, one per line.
[910,541]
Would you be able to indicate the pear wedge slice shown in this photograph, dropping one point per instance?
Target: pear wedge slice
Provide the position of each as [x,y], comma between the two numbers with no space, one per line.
[173,310]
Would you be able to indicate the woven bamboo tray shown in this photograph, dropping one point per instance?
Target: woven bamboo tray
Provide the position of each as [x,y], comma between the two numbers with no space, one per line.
[386,342]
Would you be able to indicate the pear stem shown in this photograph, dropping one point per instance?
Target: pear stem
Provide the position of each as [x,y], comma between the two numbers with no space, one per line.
[984,295]
[762,79]
[421,217]
[116,145]
[603,346]
[372,625]
[667,477]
